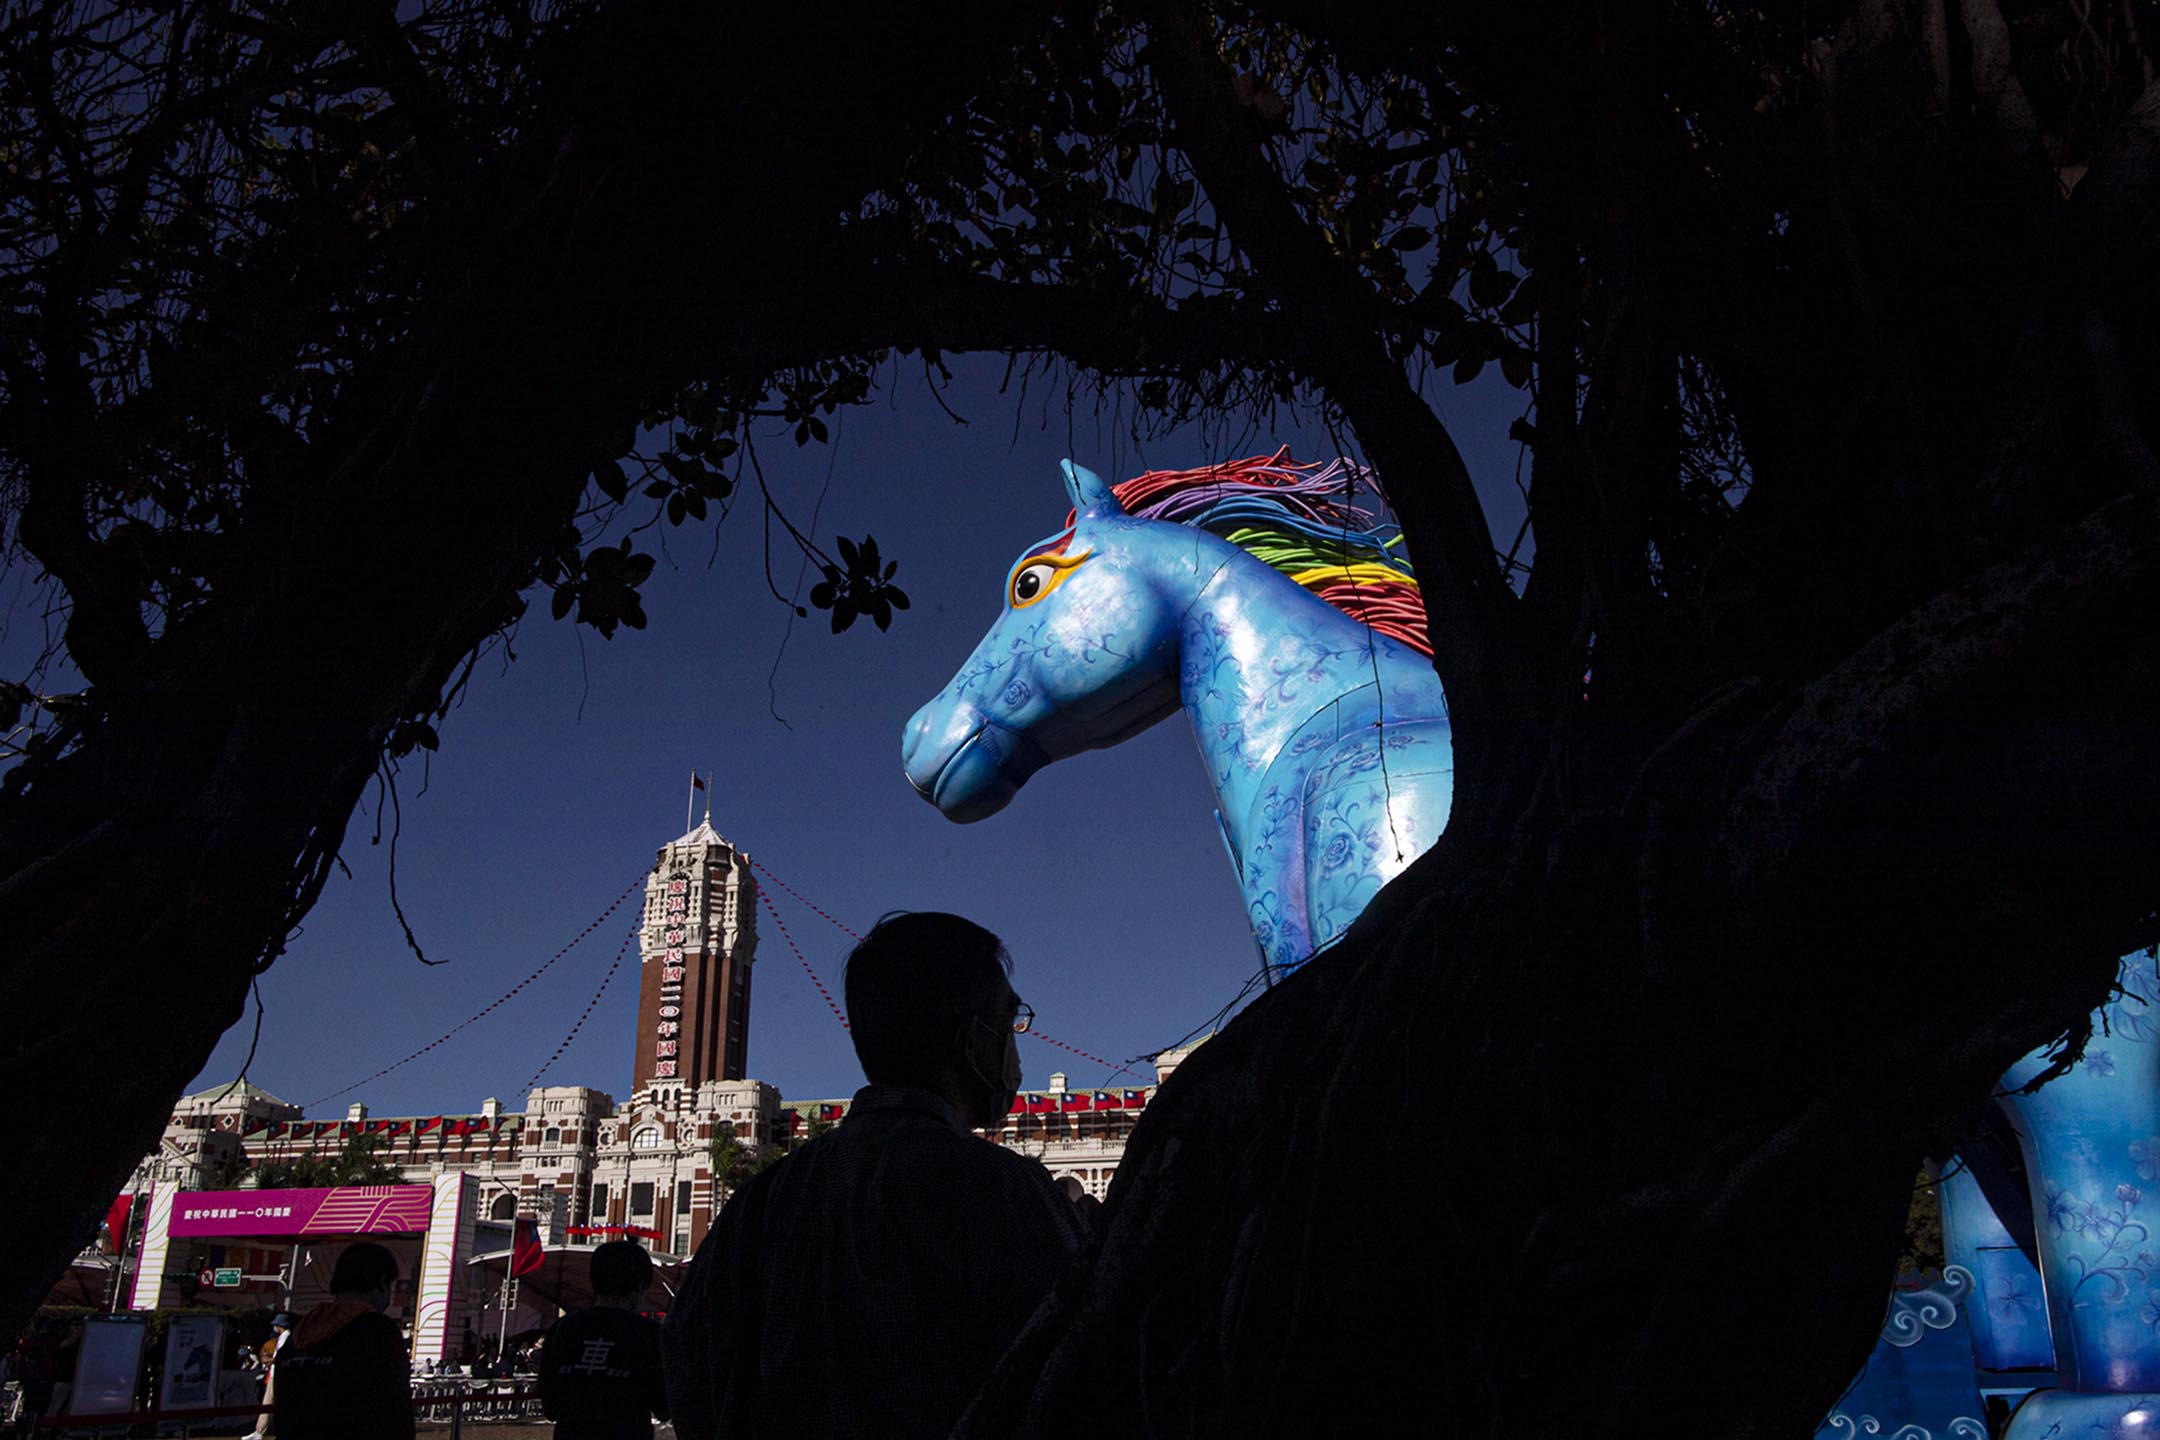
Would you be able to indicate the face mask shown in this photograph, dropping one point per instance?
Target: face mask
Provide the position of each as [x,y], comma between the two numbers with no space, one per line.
[1007,1085]
[1010,1074]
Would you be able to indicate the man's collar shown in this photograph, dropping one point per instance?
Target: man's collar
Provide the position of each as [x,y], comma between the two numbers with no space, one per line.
[874,1097]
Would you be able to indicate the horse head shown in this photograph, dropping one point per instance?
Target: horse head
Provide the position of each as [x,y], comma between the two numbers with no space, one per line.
[1083,655]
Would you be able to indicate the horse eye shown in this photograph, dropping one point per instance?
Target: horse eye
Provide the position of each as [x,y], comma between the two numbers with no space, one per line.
[1029,583]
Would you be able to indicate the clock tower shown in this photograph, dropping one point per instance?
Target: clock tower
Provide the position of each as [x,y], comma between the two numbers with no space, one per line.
[696,945]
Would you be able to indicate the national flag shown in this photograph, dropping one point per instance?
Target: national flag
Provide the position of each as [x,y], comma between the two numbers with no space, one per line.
[697,782]
[277,1128]
[526,1254]
[1135,1099]
[831,1112]
[347,1127]
[433,1122]
[1019,1106]
[1040,1105]
[1075,1102]
[116,1223]
[794,1121]
[1106,1100]
[397,1127]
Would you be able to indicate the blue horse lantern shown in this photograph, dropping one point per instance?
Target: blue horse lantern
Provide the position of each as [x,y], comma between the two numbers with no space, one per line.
[1271,600]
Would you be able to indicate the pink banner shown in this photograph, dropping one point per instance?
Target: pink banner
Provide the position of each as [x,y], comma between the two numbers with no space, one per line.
[343,1210]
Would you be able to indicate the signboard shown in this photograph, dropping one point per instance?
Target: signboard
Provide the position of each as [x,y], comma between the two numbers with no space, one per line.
[674,935]
[340,1210]
[107,1364]
[226,1277]
[193,1347]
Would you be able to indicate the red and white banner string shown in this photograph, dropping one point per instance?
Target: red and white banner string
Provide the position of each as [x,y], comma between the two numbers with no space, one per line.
[774,912]
[806,904]
[1036,1031]
[492,1005]
[620,951]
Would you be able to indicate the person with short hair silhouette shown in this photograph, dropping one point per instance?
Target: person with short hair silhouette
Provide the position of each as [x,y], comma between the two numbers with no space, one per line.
[600,1367]
[344,1374]
[868,1283]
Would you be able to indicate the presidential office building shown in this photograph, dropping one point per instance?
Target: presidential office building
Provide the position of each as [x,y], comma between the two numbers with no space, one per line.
[587,1167]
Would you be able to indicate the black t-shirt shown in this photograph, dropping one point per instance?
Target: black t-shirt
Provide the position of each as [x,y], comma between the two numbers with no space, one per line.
[352,1383]
[600,1376]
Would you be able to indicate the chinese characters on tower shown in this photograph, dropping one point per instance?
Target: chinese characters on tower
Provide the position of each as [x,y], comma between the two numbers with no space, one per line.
[676,919]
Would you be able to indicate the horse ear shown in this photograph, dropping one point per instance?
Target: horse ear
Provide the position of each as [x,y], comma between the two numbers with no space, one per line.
[1090,496]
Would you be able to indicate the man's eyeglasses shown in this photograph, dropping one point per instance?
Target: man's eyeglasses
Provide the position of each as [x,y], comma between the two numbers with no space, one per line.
[1022,1018]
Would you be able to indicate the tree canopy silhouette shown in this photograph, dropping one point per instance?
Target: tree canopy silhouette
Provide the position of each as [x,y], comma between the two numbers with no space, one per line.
[1802,741]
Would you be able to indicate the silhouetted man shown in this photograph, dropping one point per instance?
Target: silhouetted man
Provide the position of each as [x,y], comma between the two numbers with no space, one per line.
[867,1284]
[344,1374]
[600,1368]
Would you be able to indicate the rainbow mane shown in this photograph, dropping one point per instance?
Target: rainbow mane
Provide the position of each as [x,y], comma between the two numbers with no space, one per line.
[1326,526]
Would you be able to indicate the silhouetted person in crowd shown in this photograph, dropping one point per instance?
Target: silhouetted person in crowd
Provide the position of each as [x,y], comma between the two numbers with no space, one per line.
[866,1284]
[37,1370]
[600,1368]
[344,1374]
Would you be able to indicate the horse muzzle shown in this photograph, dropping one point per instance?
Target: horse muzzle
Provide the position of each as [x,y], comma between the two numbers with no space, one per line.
[965,763]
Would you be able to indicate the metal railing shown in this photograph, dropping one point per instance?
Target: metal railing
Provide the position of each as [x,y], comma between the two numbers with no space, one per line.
[455,1399]
[452,1400]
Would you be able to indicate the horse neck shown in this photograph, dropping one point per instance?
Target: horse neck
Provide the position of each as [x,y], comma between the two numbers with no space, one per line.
[1261,656]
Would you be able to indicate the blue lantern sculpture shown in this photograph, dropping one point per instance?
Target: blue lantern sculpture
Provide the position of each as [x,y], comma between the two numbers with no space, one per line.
[1272,602]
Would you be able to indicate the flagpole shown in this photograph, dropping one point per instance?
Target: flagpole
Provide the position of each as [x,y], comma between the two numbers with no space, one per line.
[689,807]
[708,795]
[120,1251]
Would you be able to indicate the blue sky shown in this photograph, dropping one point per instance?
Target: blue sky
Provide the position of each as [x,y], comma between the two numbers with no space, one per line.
[561,773]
